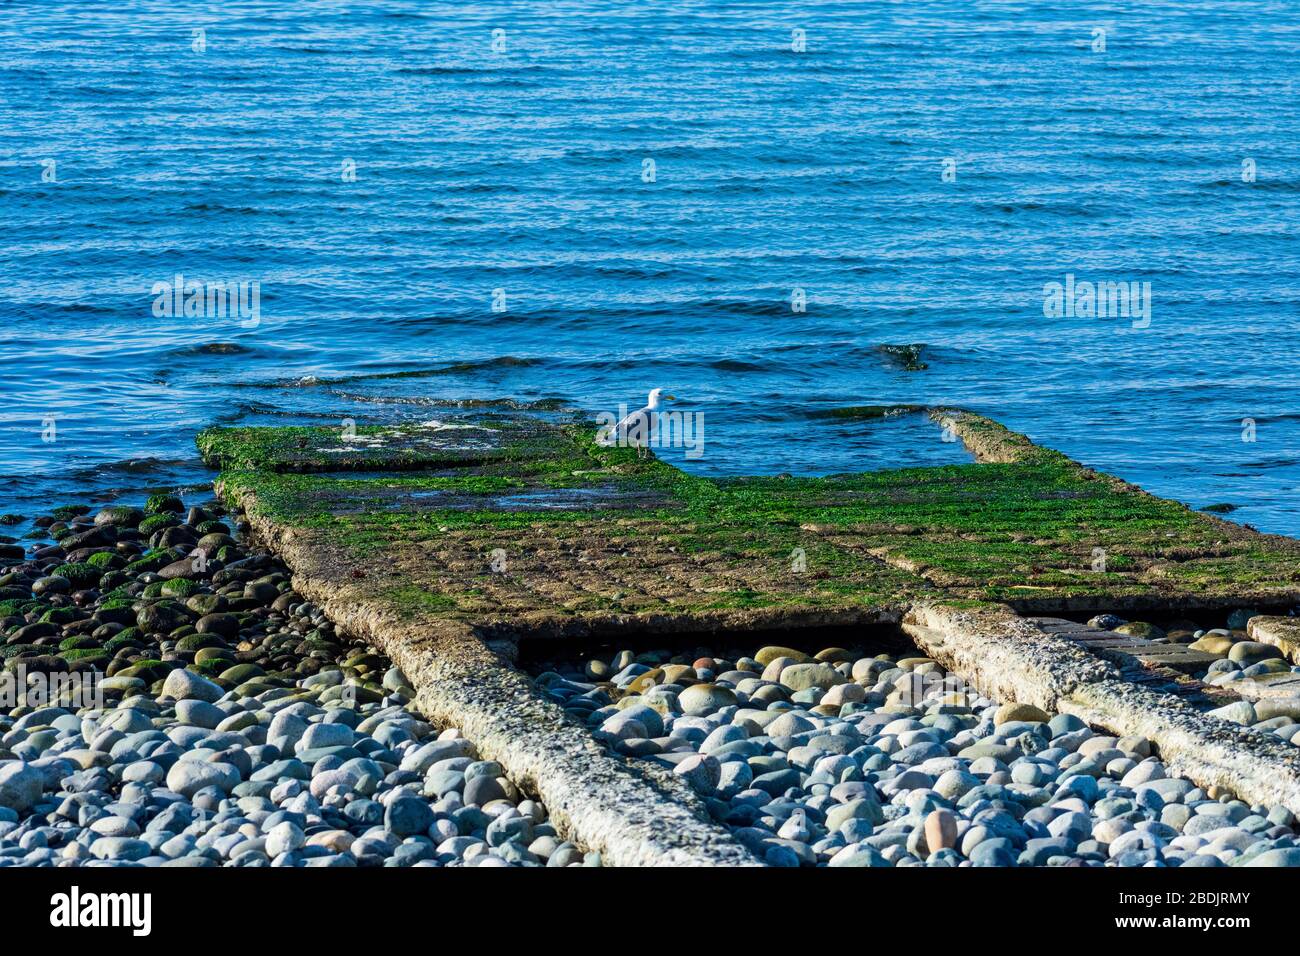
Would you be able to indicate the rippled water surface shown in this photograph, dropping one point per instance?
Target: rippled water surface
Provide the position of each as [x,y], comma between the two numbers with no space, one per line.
[524,170]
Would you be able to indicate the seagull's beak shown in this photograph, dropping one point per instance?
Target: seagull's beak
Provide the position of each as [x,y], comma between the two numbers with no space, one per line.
[670,398]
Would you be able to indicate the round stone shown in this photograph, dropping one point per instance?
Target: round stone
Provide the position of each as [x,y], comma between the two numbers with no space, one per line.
[699,700]
[701,771]
[199,713]
[799,677]
[1009,713]
[482,790]
[188,777]
[767,655]
[407,816]
[940,830]
[789,724]
[20,785]
[284,838]
[186,685]
[1252,652]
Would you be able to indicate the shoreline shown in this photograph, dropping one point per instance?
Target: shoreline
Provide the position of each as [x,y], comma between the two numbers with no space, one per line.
[250,687]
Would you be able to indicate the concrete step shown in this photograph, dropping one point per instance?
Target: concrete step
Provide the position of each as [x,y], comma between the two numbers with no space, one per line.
[1115,646]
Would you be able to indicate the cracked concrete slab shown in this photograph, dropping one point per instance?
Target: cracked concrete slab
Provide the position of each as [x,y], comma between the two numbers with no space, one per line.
[1281,632]
[633,813]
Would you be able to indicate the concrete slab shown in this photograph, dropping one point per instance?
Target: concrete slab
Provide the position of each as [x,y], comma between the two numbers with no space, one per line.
[1120,647]
[1011,658]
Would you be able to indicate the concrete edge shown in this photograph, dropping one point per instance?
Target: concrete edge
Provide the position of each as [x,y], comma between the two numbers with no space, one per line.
[1003,655]
[631,811]
[989,441]
[1007,657]
[1281,632]
[1256,766]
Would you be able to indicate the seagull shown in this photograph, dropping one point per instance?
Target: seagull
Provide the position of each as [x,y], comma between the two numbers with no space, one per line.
[638,428]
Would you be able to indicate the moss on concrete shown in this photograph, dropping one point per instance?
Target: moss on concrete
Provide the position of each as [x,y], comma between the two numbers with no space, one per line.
[314,448]
[553,524]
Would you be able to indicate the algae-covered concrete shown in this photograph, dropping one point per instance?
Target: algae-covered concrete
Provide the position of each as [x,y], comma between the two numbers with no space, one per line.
[527,520]
[439,540]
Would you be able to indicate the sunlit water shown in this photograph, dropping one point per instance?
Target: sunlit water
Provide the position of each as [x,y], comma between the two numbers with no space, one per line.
[524,169]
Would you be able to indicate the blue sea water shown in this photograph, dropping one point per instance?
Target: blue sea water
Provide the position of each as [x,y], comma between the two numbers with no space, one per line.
[518,161]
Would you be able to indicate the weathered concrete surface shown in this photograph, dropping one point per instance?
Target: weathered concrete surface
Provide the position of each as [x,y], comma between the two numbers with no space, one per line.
[1282,632]
[433,444]
[1257,766]
[1003,655]
[1266,686]
[1007,657]
[633,813]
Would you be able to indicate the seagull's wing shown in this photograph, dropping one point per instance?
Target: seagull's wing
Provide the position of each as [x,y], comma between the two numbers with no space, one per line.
[635,429]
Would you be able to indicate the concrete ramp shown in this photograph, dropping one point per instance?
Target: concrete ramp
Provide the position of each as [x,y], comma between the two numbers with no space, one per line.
[427,538]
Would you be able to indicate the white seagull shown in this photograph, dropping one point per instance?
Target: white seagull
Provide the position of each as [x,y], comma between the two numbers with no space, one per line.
[638,428]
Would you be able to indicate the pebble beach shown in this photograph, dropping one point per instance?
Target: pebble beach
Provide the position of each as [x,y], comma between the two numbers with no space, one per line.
[839,759]
[237,728]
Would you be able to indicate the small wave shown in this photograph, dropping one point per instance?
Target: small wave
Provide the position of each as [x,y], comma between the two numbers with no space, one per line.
[106,91]
[483,71]
[738,365]
[129,466]
[457,368]
[1263,185]
[554,404]
[246,410]
[1056,209]
[772,306]
[864,412]
[217,207]
[1275,463]
[53,310]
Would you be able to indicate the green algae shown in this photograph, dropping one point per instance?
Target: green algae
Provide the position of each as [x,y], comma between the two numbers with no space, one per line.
[80,575]
[411,601]
[313,448]
[1024,523]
